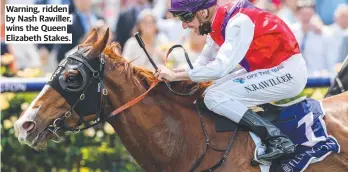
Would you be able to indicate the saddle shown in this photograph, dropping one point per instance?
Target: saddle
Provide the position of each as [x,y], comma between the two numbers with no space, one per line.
[268,111]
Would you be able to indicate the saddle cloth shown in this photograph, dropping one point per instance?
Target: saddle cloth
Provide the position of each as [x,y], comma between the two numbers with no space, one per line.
[303,123]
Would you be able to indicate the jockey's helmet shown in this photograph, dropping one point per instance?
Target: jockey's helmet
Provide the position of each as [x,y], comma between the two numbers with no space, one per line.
[177,6]
[186,9]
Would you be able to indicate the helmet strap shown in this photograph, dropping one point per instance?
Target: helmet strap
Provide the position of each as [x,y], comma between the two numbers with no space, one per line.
[205,28]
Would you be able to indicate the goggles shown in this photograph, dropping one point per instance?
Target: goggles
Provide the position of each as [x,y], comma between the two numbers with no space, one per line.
[186,17]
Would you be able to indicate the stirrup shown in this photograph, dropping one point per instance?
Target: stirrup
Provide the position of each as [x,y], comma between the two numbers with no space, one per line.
[259,150]
[285,150]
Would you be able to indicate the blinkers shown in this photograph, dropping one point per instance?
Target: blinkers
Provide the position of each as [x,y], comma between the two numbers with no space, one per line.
[80,81]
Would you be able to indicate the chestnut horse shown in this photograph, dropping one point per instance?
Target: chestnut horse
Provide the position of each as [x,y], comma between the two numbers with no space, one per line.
[163,131]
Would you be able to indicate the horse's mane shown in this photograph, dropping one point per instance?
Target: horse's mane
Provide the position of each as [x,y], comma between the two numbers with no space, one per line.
[111,51]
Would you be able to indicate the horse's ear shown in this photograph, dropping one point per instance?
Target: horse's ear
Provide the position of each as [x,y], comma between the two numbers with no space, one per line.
[100,45]
[92,37]
[116,48]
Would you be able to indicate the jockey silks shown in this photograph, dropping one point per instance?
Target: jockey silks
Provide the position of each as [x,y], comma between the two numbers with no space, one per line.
[232,95]
[273,41]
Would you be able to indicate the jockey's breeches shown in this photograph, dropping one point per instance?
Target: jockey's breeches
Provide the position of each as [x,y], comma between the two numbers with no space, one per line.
[231,95]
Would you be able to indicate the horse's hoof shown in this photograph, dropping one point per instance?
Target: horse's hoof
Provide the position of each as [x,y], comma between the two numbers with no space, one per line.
[254,163]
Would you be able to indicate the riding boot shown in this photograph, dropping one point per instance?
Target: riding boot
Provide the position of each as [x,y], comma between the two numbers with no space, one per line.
[277,144]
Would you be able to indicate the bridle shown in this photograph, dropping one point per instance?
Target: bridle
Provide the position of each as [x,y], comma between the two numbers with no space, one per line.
[92,71]
[79,98]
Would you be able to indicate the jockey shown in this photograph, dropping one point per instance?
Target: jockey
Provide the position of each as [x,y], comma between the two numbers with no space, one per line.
[261,43]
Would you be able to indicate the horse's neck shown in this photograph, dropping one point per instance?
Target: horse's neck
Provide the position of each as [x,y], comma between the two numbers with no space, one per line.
[155,126]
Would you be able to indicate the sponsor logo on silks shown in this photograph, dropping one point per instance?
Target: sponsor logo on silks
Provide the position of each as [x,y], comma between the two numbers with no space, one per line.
[239,80]
[268,83]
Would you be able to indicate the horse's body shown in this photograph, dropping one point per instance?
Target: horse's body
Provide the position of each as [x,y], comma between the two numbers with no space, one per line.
[167,136]
[163,132]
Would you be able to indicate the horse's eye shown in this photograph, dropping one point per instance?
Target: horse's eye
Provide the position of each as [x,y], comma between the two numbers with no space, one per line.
[72,76]
[71,79]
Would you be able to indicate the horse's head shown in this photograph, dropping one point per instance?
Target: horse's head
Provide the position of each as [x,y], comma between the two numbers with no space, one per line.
[341,81]
[70,98]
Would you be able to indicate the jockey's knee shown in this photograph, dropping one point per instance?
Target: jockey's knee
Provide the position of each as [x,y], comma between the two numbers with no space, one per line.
[296,91]
[225,105]
[213,98]
[298,87]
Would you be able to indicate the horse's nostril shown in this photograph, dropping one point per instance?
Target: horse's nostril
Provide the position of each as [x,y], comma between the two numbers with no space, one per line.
[29,126]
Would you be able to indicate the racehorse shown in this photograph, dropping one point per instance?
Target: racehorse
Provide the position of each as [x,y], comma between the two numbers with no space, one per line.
[340,82]
[162,132]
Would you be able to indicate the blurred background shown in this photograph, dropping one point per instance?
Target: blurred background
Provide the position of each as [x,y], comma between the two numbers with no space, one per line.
[321,28]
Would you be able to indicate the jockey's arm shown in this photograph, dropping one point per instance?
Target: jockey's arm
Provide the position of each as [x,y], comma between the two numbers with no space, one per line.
[239,35]
[208,53]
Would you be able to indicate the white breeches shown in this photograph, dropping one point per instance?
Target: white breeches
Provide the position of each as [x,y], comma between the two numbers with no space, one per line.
[231,95]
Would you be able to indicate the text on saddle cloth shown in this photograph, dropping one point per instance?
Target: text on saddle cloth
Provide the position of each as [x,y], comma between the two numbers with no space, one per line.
[307,130]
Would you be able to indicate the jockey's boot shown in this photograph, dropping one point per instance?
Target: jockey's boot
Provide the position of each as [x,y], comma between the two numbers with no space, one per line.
[277,144]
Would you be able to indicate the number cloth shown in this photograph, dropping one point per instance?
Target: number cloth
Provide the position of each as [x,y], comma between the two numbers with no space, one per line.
[306,128]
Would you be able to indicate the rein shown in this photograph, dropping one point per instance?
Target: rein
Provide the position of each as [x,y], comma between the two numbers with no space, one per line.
[142,45]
